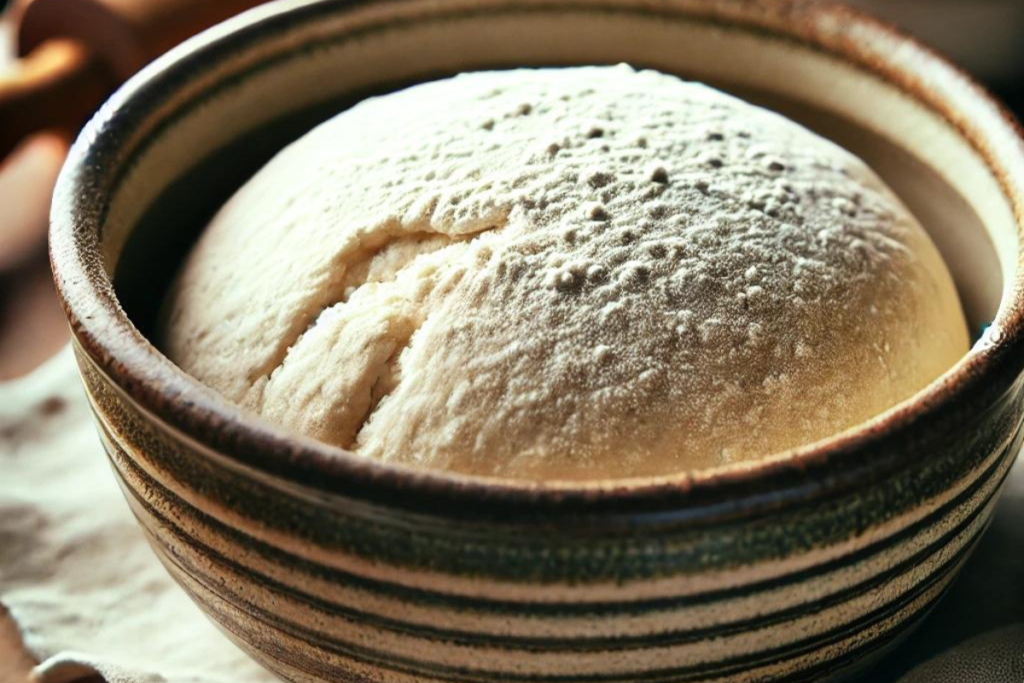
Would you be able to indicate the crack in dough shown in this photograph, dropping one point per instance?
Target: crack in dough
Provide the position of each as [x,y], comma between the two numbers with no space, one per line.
[386,296]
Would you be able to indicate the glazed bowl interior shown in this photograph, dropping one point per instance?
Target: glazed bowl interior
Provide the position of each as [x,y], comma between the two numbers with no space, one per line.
[224,128]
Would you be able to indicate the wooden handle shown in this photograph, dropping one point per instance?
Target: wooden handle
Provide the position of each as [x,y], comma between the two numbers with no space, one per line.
[126,34]
[55,88]
[27,178]
[32,324]
[74,53]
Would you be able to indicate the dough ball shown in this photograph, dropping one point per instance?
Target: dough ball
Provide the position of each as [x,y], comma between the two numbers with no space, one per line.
[564,274]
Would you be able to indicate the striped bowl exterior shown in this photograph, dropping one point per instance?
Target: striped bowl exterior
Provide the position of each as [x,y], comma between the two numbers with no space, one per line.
[326,568]
[327,588]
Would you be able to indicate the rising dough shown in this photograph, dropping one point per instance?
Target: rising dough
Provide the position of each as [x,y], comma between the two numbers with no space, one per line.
[564,274]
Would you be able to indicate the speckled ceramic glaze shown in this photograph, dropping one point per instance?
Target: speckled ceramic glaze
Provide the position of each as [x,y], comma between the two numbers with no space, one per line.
[329,568]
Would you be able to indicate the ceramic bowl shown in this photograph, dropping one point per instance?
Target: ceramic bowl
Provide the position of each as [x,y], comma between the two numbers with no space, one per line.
[326,567]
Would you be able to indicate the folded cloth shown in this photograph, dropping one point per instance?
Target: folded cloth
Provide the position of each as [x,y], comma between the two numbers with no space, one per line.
[76,573]
[89,596]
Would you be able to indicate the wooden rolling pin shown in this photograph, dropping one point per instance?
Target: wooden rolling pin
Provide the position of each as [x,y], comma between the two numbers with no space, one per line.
[75,52]
[72,55]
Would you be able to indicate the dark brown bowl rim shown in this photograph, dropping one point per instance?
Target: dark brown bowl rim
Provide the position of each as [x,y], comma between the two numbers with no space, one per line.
[238,440]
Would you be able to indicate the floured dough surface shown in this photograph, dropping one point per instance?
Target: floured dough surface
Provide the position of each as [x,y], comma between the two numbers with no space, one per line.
[564,274]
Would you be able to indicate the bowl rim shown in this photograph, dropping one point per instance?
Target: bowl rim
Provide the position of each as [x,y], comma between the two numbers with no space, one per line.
[109,343]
